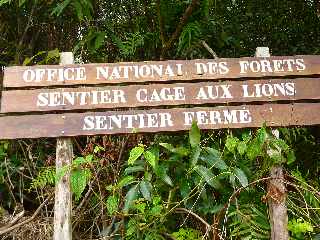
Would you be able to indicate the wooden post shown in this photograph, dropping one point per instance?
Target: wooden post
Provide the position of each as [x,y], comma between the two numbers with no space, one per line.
[276,188]
[63,196]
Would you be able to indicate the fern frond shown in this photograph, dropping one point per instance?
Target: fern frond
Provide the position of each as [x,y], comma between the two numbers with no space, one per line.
[44,178]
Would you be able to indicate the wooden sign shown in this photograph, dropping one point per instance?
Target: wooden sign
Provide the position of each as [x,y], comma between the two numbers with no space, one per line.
[263,90]
[160,71]
[157,120]
[279,91]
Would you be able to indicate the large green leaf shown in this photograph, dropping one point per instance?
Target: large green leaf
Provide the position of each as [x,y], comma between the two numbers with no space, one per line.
[161,172]
[125,181]
[254,149]
[79,180]
[213,157]
[99,41]
[195,153]
[145,189]
[194,135]
[135,153]
[150,157]
[231,143]
[133,169]
[241,176]
[130,197]
[112,204]
[208,176]
[168,146]
[242,147]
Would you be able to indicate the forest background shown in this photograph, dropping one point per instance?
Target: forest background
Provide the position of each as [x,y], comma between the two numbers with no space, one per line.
[196,185]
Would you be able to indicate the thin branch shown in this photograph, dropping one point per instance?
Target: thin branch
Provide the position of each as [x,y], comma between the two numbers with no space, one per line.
[161,23]
[24,34]
[182,23]
[6,229]
[17,218]
[206,46]
[122,150]
[208,226]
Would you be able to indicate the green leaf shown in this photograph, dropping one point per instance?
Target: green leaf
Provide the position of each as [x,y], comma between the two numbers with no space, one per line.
[141,207]
[161,172]
[78,7]
[246,136]
[241,176]
[168,146]
[78,161]
[145,189]
[156,210]
[26,61]
[242,147]
[274,152]
[60,7]
[81,160]
[195,153]
[279,143]
[208,176]
[151,158]
[213,157]
[112,204]
[231,143]
[291,158]
[2,2]
[194,135]
[132,227]
[254,149]
[182,151]
[135,153]
[130,197]
[261,135]
[133,169]
[79,180]
[99,40]
[165,177]
[98,149]
[125,181]
[53,54]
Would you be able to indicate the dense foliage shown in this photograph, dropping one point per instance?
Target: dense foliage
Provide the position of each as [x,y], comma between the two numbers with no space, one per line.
[196,185]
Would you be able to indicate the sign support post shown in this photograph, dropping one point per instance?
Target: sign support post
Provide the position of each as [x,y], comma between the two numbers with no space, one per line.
[63,196]
[276,188]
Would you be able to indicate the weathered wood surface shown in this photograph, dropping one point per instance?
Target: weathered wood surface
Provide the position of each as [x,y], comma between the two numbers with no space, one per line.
[157,120]
[276,188]
[277,195]
[63,194]
[265,90]
[179,70]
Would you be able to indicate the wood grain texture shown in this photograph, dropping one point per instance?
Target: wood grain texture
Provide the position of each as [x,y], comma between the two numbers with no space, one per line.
[63,194]
[71,124]
[13,76]
[277,194]
[26,100]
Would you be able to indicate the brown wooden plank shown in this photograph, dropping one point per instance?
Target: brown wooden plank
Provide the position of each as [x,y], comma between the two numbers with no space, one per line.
[160,95]
[157,120]
[224,68]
